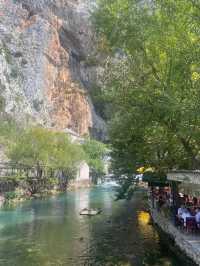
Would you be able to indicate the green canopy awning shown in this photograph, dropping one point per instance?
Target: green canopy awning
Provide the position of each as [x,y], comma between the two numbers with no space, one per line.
[155,179]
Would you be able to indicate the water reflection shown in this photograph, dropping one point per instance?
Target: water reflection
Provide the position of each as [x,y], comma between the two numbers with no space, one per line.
[143,218]
[82,200]
[51,232]
[147,231]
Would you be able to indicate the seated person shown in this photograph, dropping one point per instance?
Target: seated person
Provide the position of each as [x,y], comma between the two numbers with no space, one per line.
[161,201]
[197,217]
[181,210]
[193,211]
[195,201]
[186,214]
[186,199]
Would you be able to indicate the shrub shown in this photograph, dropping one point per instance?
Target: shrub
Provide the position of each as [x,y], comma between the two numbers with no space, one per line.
[95,153]
[11,195]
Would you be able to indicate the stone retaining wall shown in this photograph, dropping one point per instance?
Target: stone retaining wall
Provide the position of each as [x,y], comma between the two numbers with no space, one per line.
[188,243]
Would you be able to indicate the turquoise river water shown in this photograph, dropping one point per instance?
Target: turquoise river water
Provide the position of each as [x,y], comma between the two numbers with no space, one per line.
[51,232]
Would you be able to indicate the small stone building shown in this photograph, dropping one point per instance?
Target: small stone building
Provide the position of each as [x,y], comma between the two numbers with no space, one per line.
[83,173]
[82,176]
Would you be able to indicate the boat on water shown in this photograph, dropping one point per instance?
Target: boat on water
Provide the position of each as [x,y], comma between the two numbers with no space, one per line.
[90,212]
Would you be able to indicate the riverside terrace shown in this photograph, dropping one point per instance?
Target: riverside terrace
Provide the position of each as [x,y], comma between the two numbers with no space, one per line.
[165,199]
[185,191]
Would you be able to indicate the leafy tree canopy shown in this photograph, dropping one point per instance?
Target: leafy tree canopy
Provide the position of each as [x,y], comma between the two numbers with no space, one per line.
[45,147]
[95,153]
[152,77]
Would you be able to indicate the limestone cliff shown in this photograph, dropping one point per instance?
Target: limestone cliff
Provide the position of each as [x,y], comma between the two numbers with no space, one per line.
[45,74]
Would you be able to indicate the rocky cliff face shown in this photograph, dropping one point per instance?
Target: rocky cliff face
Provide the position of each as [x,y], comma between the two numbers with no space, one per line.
[46,69]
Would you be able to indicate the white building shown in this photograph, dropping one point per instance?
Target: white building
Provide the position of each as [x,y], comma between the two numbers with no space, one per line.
[83,173]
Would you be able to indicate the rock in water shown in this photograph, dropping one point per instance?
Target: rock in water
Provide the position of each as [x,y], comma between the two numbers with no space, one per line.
[90,212]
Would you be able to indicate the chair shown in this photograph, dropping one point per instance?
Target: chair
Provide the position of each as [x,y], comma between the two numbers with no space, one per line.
[191,224]
[179,222]
[198,226]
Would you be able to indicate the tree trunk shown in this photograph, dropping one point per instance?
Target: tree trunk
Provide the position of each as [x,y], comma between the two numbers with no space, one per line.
[195,163]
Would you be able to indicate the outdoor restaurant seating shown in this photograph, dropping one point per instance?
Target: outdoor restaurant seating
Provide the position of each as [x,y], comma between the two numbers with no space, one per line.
[179,222]
[191,225]
[186,220]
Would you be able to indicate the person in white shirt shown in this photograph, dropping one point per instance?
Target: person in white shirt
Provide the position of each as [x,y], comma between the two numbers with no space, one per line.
[181,210]
[197,217]
[186,214]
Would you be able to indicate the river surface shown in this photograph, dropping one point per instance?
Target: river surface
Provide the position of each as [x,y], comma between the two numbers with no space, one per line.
[51,232]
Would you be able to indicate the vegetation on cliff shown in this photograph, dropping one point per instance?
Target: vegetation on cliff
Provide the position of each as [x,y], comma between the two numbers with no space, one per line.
[152,78]
[43,160]
[37,146]
[95,154]
[40,146]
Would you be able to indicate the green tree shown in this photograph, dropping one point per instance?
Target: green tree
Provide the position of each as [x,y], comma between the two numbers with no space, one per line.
[95,154]
[152,78]
[51,153]
[40,146]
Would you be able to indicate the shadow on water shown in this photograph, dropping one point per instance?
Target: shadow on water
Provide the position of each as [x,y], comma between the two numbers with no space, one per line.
[51,232]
